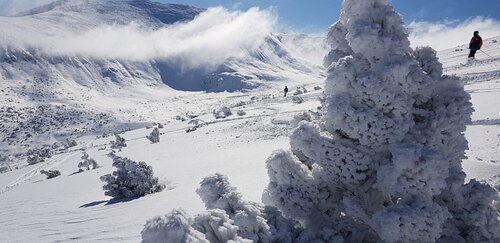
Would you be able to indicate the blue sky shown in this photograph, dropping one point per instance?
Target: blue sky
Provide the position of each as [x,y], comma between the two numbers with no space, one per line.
[317,15]
[438,23]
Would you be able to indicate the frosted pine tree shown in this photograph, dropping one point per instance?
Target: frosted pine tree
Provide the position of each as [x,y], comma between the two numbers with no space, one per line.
[384,162]
[154,137]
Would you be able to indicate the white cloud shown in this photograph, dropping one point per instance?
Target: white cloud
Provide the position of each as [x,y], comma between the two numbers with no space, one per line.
[208,40]
[449,34]
[11,7]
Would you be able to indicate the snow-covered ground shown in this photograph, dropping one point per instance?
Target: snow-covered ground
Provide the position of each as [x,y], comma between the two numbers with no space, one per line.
[193,144]
[483,84]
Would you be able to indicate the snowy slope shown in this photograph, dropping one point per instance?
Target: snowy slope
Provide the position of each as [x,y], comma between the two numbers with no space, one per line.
[73,206]
[483,83]
[73,94]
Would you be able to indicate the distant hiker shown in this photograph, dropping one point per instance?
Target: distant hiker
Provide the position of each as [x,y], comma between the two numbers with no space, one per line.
[286,90]
[475,44]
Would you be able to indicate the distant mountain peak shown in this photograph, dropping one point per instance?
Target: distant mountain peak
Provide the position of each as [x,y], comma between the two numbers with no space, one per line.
[164,13]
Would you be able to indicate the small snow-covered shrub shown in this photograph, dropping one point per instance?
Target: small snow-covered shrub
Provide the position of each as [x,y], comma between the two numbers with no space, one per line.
[36,156]
[221,112]
[180,118]
[131,179]
[154,137]
[228,219]
[216,225]
[70,143]
[195,124]
[119,142]
[302,116]
[3,169]
[186,116]
[87,162]
[174,227]
[240,103]
[241,113]
[297,100]
[300,90]
[4,160]
[51,173]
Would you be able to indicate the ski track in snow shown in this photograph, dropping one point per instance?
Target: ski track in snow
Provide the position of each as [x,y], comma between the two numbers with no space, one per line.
[51,163]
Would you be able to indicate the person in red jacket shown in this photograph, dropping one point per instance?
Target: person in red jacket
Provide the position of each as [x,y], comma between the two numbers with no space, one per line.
[475,44]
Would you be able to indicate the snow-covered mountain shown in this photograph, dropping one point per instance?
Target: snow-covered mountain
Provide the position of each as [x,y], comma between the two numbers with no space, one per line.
[63,18]
[51,72]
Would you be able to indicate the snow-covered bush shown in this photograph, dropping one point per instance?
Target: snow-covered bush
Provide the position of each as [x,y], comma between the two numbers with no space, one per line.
[131,179]
[35,156]
[302,116]
[70,143]
[119,142]
[300,90]
[4,160]
[174,227]
[384,161]
[51,173]
[228,219]
[241,113]
[297,100]
[221,112]
[87,162]
[3,169]
[154,137]
[186,116]
[195,124]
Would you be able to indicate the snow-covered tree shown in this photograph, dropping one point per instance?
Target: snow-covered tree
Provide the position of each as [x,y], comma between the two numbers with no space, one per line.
[131,179]
[51,173]
[87,162]
[384,162]
[119,142]
[154,137]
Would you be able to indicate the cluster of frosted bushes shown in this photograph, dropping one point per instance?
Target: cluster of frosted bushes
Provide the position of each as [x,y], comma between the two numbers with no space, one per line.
[35,156]
[229,219]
